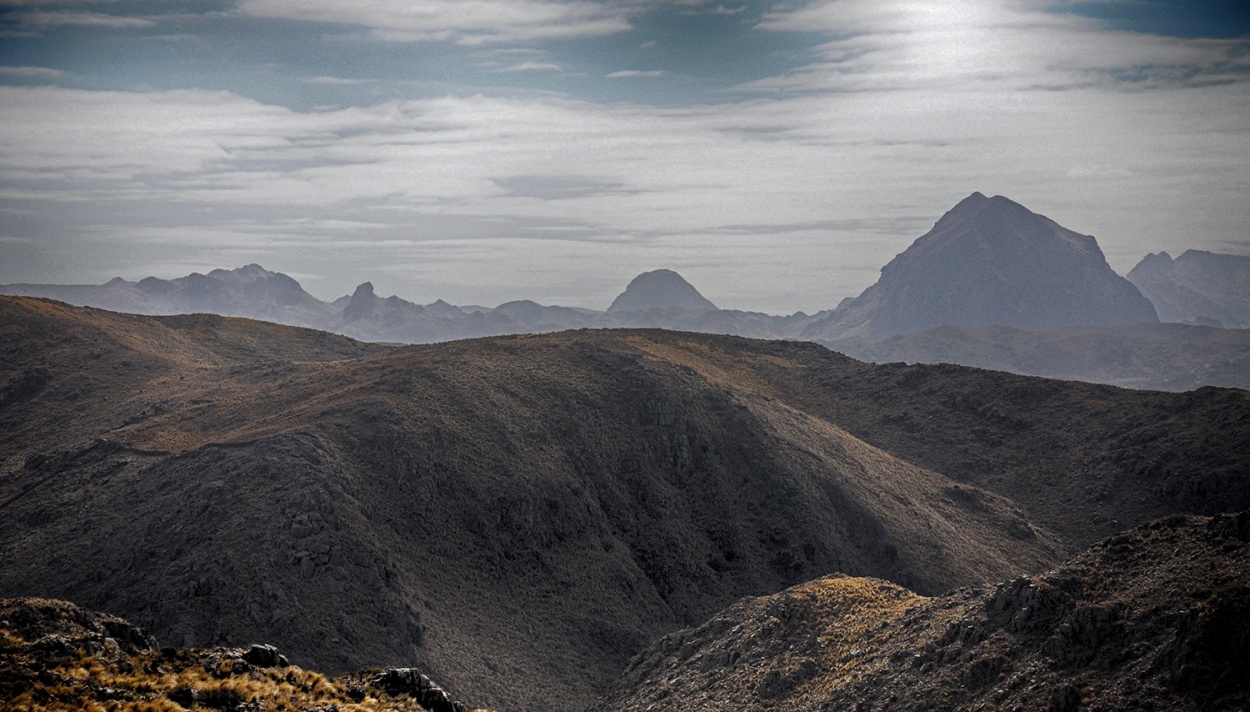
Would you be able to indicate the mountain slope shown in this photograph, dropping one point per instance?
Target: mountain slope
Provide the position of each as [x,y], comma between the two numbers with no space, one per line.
[520,515]
[1197,287]
[498,511]
[1168,357]
[1154,618]
[989,261]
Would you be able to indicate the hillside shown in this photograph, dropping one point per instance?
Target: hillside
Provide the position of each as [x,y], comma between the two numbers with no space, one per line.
[1164,357]
[520,515]
[1154,618]
[989,261]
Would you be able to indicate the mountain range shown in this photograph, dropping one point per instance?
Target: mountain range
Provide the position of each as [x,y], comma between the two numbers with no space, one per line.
[519,516]
[1198,287]
[992,285]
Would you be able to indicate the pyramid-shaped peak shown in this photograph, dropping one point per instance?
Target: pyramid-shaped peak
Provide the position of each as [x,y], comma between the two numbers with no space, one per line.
[660,289]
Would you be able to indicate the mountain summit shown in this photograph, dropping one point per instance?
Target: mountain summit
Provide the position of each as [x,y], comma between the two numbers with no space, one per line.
[990,261]
[660,289]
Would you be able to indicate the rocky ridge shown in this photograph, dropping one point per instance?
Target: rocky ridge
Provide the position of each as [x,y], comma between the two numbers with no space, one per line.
[504,511]
[1153,618]
[1198,287]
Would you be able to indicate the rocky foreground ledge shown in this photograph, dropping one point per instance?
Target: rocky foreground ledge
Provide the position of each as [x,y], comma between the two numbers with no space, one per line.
[54,655]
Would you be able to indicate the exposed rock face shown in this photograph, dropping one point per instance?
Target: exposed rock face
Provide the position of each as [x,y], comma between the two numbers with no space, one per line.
[1153,618]
[363,303]
[990,261]
[1198,287]
[661,289]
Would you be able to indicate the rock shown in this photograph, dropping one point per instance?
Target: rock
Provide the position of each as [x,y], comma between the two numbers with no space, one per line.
[265,656]
[412,682]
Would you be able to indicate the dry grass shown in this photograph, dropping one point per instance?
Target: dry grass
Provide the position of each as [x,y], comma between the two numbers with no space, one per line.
[86,671]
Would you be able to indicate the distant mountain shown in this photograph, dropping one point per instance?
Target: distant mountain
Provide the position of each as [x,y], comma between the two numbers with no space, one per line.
[660,289]
[1166,357]
[1198,287]
[989,261]
[1153,618]
[521,515]
[250,291]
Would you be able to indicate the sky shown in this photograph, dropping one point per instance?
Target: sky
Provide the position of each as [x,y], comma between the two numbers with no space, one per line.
[775,153]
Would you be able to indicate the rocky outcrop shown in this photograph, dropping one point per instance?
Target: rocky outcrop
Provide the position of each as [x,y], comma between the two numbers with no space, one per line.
[414,683]
[989,261]
[1153,618]
[56,655]
[362,304]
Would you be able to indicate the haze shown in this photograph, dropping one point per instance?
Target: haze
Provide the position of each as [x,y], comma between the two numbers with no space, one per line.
[775,154]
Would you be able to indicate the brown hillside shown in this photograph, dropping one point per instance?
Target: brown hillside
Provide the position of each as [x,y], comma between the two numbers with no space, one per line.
[1155,618]
[520,515]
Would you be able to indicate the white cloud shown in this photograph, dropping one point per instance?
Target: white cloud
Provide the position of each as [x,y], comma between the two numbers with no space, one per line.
[791,199]
[968,44]
[631,73]
[336,81]
[86,19]
[470,23]
[530,66]
[41,72]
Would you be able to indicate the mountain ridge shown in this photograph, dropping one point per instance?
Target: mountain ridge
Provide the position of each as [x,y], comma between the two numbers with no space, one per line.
[566,497]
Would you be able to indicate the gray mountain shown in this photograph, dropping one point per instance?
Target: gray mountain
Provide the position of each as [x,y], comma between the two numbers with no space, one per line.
[1198,287]
[990,261]
[250,291]
[660,289]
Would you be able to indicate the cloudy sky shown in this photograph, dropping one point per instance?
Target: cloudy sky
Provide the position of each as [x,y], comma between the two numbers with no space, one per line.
[776,153]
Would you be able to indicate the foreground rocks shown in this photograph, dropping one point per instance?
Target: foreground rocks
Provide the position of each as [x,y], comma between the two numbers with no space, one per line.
[54,655]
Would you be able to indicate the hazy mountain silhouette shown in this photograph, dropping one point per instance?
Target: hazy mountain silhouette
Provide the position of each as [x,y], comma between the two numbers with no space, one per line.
[250,291]
[992,285]
[1197,287]
[521,515]
[989,261]
[660,289]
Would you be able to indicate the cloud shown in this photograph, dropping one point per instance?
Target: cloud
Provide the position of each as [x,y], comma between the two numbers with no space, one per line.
[962,44]
[39,72]
[531,66]
[631,73]
[790,196]
[470,23]
[85,19]
[336,81]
